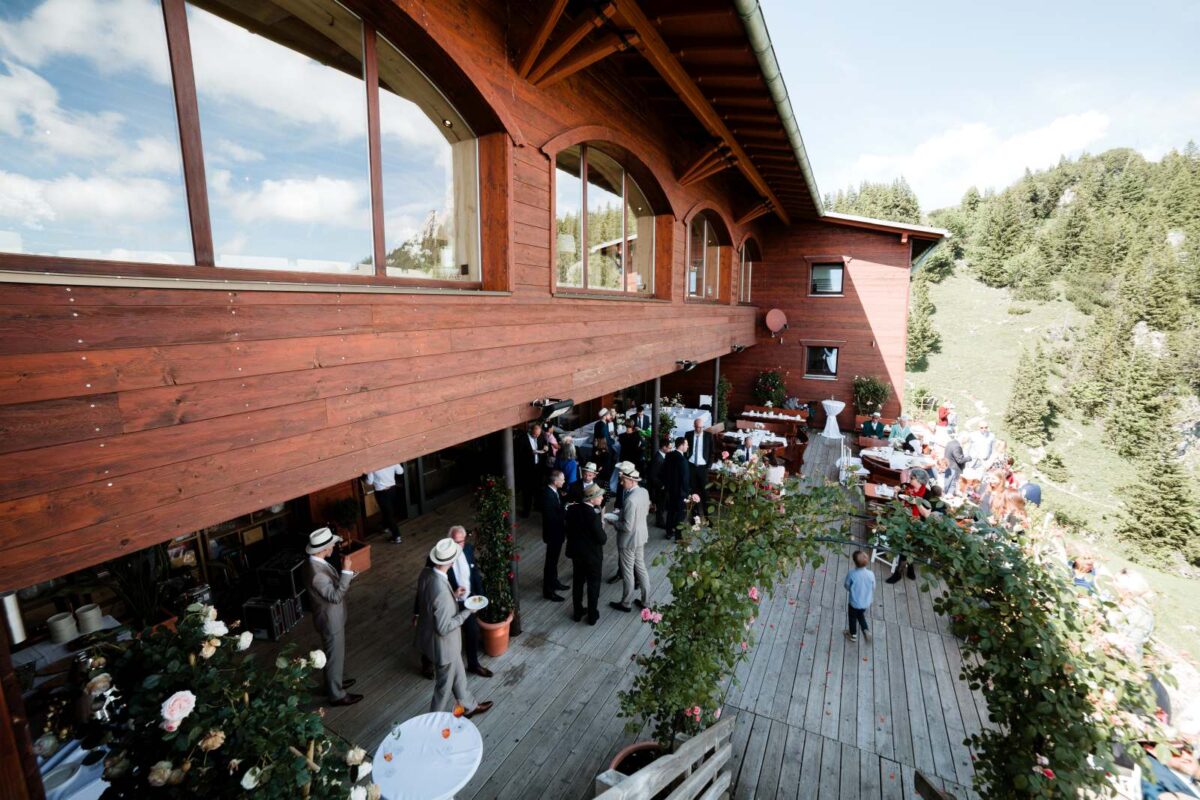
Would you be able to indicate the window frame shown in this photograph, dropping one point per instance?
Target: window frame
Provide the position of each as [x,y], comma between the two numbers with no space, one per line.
[746,277]
[836,347]
[626,262]
[725,251]
[492,160]
[825,261]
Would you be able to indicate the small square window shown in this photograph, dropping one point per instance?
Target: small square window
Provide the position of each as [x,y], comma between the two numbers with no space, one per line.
[821,362]
[827,278]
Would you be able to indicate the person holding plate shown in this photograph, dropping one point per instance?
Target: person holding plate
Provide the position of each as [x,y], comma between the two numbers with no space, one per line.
[439,624]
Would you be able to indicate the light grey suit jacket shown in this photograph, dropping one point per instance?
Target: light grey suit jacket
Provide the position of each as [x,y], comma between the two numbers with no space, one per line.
[632,530]
[327,588]
[439,619]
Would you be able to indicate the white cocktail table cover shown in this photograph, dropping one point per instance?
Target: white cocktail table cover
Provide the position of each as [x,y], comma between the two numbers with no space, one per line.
[424,765]
[832,409]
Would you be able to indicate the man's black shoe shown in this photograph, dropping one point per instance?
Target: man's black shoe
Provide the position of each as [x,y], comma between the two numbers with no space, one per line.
[553,598]
[637,601]
[614,578]
[346,700]
[620,606]
[896,576]
[348,682]
[593,619]
[562,587]
[577,616]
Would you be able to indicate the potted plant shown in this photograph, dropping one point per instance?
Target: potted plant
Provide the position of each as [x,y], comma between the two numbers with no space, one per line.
[496,554]
[139,580]
[343,516]
[188,713]
[769,388]
[721,412]
[870,393]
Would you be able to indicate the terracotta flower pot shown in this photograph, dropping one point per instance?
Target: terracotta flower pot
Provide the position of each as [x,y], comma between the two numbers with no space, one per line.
[495,635]
[637,755]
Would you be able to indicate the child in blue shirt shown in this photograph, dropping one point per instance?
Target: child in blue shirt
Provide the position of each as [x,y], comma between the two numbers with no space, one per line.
[860,582]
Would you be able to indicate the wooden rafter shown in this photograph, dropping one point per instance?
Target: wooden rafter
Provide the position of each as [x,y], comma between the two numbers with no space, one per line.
[757,211]
[706,159]
[541,37]
[568,43]
[660,57]
[584,57]
[720,165]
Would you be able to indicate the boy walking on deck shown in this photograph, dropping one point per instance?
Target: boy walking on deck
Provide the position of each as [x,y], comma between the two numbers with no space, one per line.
[860,582]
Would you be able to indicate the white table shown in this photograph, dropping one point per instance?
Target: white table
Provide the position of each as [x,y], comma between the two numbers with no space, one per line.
[685,419]
[896,459]
[832,409]
[87,783]
[758,437]
[424,765]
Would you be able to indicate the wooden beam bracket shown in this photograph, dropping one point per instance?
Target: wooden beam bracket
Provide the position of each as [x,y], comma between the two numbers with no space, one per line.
[584,56]
[541,36]
[568,43]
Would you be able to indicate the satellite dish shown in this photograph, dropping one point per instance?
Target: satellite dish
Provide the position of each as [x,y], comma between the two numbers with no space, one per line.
[776,321]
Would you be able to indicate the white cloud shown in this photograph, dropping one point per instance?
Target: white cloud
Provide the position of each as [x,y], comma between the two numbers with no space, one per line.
[29,109]
[32,202]
[225,150]
[153,154]
[975,154]
[322,200]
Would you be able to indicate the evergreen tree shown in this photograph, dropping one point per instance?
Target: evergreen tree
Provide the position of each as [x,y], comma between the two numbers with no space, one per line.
[923,337]
[1141,405]
[893,201]
[1029,401]
[1160,518]
[998,239]
[1163,294]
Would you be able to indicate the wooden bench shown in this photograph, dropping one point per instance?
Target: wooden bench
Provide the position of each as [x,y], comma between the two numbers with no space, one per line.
[751,424]
[702,762]
[881,472]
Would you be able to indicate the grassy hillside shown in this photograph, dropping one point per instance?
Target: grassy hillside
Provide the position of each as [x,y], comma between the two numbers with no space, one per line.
[981,341]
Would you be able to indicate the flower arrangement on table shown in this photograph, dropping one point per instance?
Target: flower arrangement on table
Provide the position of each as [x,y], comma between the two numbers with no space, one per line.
[1047,660]
[496,547]
[769,388]
[755,535]
[189,713]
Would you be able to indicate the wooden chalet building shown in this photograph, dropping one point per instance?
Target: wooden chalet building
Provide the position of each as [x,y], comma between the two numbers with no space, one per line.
[252,249]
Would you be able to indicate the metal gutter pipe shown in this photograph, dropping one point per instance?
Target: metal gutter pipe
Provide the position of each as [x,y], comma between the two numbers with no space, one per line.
[760,42]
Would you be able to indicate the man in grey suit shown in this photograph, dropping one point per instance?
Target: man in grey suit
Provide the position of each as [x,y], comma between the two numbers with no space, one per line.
[439,630]
[632,534]
[327,588]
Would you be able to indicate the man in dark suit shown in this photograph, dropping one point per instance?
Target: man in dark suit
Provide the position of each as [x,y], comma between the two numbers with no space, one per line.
[585,547]
[642,420]
[529,461]
[701,456]
[677,485]
[587,477]
[874,427]
[553,532]
[956,459]
[605,428]
[655,474]
[463,573]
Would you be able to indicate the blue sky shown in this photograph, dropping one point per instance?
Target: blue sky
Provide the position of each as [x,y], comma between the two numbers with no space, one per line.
[950,94]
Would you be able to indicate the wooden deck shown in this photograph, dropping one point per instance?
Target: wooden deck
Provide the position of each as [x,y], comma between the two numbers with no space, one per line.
[817,716]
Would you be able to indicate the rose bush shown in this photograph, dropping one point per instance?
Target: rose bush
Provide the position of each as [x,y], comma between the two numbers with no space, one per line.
[496,550]
[755,535]
[189,713]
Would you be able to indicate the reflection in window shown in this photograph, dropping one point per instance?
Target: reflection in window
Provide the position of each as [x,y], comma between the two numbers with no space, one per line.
[568,199]
[89,149]
[749,256]
[821,362]
[704,259]
[827,278]
[285,134]
[430,176]
[618,226]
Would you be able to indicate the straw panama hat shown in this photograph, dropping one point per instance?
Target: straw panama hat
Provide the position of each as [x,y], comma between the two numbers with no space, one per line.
[628,470]
[592,492]
[590,467]
[319,539]
[444,552]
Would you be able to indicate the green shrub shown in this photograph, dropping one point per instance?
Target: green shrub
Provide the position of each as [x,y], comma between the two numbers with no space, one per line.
[1018,310]
[1052,467]
[769,388]
[870,393]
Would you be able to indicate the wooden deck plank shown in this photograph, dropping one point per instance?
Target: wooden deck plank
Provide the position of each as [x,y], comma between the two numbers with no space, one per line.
[831,770]
[790,768]
[810,767]
[815,710]
[772,764]
[901,726]
[881,718]
[747,777]
[891,780]
[863,722]
[868,775]
[850,789]
[955,727]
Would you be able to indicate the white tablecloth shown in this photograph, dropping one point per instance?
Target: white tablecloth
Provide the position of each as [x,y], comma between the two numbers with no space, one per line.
[773,415]
[86,784]
[759,437]
[896,459]
[424,765]
[685,419]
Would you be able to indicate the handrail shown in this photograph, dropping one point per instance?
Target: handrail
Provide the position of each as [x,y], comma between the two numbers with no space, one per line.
[701,761]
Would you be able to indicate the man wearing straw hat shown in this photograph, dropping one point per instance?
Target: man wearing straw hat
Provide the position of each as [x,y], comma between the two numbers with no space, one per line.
[327,588]
[585,547]
[439,631]
[587,479]
[632,534]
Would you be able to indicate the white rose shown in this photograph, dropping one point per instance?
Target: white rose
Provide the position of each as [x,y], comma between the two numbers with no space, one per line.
[159,774]
[355,756]
[210,612]
[214,627]
[178,706]
[317,659]
[358,793]
[364,769]
[250,779]
[244,640]
[281,663]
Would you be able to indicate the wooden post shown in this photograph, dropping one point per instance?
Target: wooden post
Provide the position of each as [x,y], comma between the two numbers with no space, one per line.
[19,779]
[716,388]
[510,480]
[657,434]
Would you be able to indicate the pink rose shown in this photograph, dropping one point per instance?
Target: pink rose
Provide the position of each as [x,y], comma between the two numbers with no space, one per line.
[724,454]
[656,617]
[694,498]
[645,615]
[754,593]
[169,726]
[745,647]
[1049,773]
[176,707]
[717,713]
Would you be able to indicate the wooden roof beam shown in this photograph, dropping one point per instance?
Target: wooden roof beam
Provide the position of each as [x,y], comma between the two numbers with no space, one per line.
[560,50]
[584,57]
[660,57]
[754,213]
[553,13]
[706,159]
[722,164]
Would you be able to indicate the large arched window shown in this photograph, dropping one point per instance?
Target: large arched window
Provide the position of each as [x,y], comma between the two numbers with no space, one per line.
[750,254]
[708,247]
[604,225]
